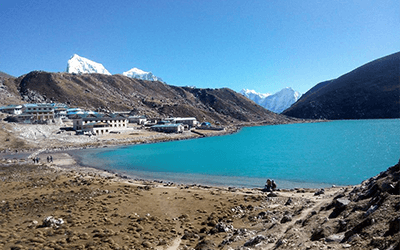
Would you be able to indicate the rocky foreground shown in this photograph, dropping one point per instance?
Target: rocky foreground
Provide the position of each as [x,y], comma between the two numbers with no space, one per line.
[63,206]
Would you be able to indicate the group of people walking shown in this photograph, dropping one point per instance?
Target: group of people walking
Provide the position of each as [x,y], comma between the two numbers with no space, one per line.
[37,159]
[49,158]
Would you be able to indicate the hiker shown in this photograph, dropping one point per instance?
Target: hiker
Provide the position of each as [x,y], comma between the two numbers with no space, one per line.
[51,158]
[268,186]
[48,159]
[273,185]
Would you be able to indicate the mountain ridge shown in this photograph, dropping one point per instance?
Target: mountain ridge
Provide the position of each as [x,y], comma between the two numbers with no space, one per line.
[151,98]
[370,91]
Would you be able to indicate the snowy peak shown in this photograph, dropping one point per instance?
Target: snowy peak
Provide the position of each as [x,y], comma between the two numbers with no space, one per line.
[81,65]
[251,93]
[254,96]
[140,74]
[277,102]
[281,100]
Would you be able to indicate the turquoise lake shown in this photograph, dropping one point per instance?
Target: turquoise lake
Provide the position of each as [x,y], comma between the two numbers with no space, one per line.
[295,155]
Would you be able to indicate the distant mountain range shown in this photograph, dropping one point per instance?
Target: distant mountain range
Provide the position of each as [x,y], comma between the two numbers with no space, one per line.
[80,65]
[369,92]
[277,102]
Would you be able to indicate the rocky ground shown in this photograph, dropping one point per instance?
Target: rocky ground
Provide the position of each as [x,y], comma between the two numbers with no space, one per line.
[64,206]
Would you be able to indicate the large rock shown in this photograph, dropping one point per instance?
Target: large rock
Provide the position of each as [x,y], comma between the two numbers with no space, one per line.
[254,241]
[340,205]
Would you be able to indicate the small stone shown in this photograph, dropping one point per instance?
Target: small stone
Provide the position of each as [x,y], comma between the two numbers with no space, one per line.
[334,238]
[147,244]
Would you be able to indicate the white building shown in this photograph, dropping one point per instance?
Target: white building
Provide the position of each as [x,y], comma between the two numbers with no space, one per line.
[39,112]
[191,121]
[139,119]
[99,123]
[12,109]
[169,128]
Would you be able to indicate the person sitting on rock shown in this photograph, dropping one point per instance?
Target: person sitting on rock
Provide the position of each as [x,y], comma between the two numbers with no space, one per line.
[273,185]
[268,186]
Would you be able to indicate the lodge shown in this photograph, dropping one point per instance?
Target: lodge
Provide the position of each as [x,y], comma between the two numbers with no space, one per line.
[98,124]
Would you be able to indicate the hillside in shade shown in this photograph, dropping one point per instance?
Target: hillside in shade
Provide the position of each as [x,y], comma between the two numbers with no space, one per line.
[152,98]
[371,91]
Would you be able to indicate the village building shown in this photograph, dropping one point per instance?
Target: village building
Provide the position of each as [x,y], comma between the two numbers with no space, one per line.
[60,110]
[169,128]
[205,125]
[98,124]
[139,119]
[12,109]
[190,121]
[39,111]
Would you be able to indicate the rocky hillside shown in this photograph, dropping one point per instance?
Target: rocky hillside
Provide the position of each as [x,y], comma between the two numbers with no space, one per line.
[151,98]
[368,92]
[8,91]
[368,217]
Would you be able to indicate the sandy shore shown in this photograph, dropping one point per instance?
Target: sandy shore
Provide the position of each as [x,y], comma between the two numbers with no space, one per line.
[94,209]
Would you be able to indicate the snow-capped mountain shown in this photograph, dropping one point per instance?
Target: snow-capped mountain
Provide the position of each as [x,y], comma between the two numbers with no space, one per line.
[254,96]
[277,102]
[140,74]
[81,65]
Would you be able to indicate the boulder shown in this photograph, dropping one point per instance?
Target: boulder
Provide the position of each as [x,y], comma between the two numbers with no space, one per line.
[394,226]
[319,192]
[222,227]
[318,234]
[340,205]
[254,241]
[50,221]
[286,218]
[205,245]
[334,238]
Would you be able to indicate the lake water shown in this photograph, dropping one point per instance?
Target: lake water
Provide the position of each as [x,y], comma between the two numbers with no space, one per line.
[295,155]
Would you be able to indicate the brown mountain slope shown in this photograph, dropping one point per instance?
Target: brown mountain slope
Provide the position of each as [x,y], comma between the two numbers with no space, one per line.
[8,91]
[118,93]
[369,92]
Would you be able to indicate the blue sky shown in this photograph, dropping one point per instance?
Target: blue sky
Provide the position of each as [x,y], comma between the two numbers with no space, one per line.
[262,45]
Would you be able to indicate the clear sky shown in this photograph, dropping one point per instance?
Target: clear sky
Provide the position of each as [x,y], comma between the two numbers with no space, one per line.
[263,45]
